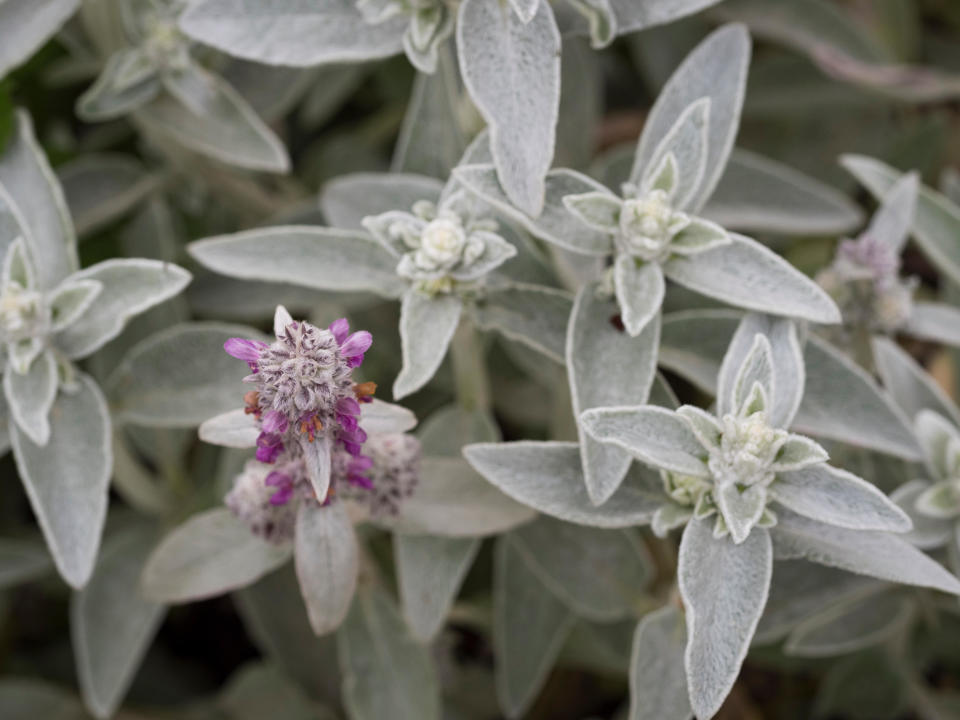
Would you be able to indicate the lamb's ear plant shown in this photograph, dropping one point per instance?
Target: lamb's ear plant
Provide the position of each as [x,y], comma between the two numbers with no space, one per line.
[444,254]
[54,314]
[864,276]
[153,76]
[740,484]
[509,54]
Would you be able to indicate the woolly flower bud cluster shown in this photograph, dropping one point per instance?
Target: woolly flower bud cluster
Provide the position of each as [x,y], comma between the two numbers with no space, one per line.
[267,497]
[648,224]
[160,37]
[864,282]
[393,473]
[742,464]
[442,248]
[304,387]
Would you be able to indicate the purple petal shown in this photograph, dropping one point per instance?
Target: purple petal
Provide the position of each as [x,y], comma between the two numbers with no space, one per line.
[274,422]
[282,496]
[278,479]
[347,422]
[269,447]
[340,329]
[246,350]
[357,344]
[348,406]
[361,481]
[355,361]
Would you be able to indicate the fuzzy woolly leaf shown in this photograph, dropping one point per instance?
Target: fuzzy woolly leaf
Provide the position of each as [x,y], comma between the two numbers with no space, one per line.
[386,673]
[326,558]
[936,222]
[348,199]
[658,684]
[130,286]
[937,322]
[379,417]
[716,69]
[529,314]
[547,476]
[928,532]
[210,554]
[606,367]
[788,374]
[746,274]
[724,588]
[111,623]
[876,554]
[512,72]
[218,122]
[300,34]
[27,25]
[556,223]
[653,435]
[891,223]
[67,480]
[314,257]
[837,497]
[640,290]
[38,200]
[599,574]
[850,627]
[30,397]
[909,384]
[758,195]
[430,571]
[180,376]
[529,627]
[232,429]
[842,402]
[427,325]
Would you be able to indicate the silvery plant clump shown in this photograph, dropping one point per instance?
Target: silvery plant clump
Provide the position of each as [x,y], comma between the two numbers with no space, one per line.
[478,359]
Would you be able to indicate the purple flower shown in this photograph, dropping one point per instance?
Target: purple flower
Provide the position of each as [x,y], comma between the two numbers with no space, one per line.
[274,422]
[269,447]
[284,485]
[246,350]
[352,347]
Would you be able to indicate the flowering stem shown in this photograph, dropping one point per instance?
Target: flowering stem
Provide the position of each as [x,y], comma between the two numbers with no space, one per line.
[469,370]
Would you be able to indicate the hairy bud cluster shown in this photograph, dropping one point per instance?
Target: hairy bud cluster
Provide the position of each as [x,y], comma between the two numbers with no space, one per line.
[648,225]
[864,282]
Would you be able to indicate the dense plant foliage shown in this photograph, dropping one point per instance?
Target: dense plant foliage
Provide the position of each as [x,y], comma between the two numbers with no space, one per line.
[469,359]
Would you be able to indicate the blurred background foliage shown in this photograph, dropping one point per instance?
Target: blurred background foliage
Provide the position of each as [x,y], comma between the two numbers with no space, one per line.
[876,77]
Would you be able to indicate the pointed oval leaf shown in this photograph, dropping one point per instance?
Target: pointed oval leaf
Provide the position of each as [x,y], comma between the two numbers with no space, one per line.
[716,69]
[605,367]
[302,34]
[547,476]
[658,685]
[876,554]
[842,402]
[111,623]
[67,480]
[348,199]
[130,287]
[529,627]
[314,257]
[210,554]
[724,588]
[326,558]
[837,497]
[512,71]
[386,673]
[430,571]
[180,376]
[746,274]
[427,325]
[38,200]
